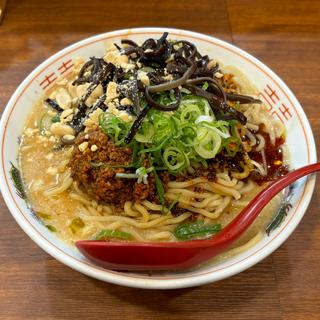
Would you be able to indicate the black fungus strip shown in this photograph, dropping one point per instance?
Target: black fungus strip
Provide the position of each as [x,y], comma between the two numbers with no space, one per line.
[180,59]
[134,95]
[130,89]
[242,98]
[81,79]
[129,42]
[136,50]
[88,92]
[99,103]
[136,124]
[156,52]
[53,105]
[188,49]
[77,121]
[176,83]
[119,48]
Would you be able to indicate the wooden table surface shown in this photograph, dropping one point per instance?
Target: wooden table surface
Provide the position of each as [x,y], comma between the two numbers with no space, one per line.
[283,34]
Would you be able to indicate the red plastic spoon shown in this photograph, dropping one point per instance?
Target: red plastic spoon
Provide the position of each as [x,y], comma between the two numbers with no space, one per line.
[185,254]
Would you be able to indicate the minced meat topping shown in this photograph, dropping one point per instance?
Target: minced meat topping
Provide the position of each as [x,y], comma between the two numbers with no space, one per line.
[95,171]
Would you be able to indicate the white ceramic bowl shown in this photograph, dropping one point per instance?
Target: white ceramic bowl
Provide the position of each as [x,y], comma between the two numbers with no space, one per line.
[277,96]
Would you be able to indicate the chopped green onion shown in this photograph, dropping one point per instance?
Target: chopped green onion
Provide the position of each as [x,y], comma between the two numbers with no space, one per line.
[55,118]
[174,159]
[208,143]
[107,234]
[190,113]
[45,123]
[174,139]
[232,145]
[159,188]
[196,230]
[51,228]
[174,202]
[113,127]
[141,174]
[237,105]
[44,215]
[76,224]
[205,86]
[145,133]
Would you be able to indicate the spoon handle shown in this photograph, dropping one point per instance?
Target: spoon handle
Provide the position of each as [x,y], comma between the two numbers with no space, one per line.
[246,217]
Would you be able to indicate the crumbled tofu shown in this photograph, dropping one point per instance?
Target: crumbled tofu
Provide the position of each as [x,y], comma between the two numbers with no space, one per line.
[96,93]
[94,148]
[42,139]
[110,57]
[126,102]
[69,137]
[52,139]
[122,59]
[142,76]
[118,59]
[51,113]
[93,119]
[83,146]
[74,102]
[60,129]
[81,89]
[77,65]
[86,136]
[128,66]
[124,46]
[63,99]
[72,90]
[52,171]
[112,91]
[218,75]
[211,64]
[168,77]
[28,132]
[69,118]
[65,114]
[88,123]
[112,108]
[124,116]
[110,46]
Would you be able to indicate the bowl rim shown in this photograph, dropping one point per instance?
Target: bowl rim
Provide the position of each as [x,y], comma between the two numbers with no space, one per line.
[167,282]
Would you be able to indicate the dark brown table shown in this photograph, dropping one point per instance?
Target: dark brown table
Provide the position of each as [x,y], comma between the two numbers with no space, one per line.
[283,34]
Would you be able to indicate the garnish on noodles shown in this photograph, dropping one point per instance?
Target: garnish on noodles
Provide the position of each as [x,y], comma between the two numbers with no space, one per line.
[151,142]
